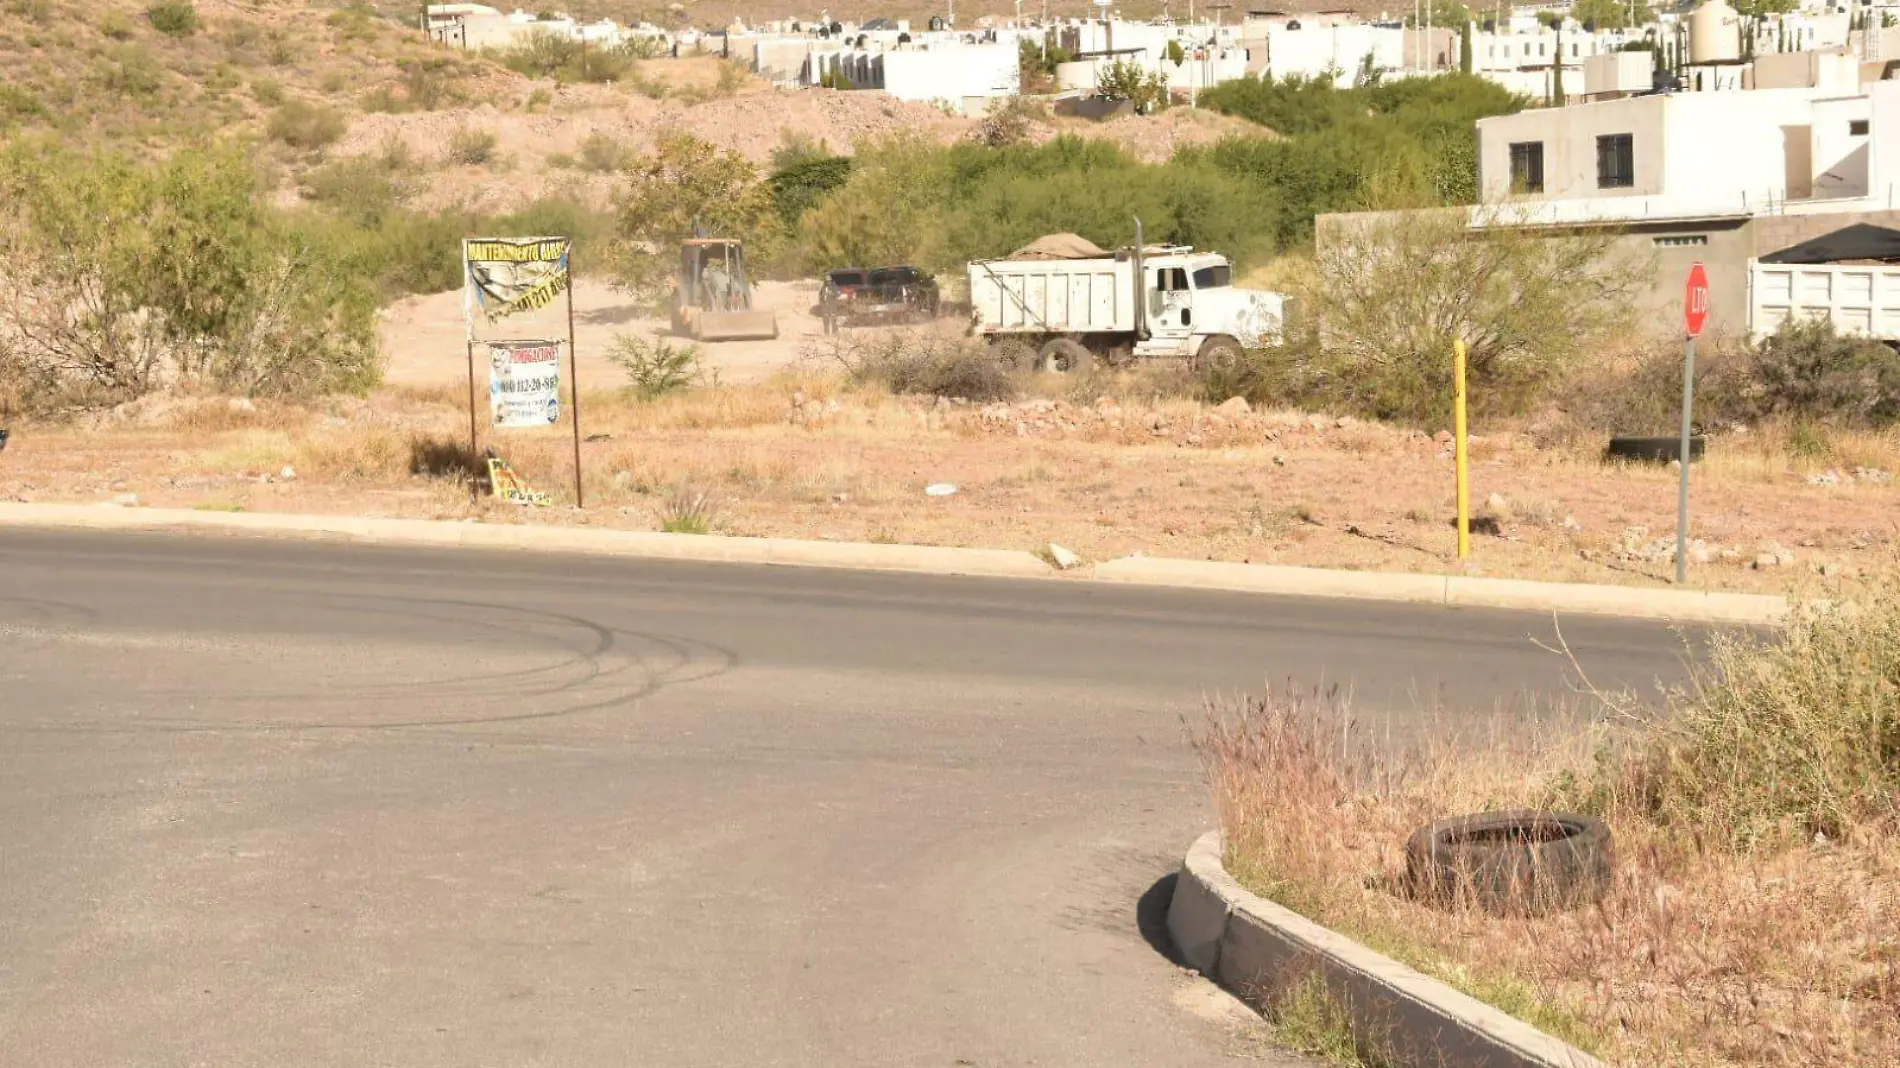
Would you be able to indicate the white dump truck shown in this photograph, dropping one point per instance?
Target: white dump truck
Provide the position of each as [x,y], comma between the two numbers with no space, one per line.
[1069,303]
[1850,277]
[1861,299]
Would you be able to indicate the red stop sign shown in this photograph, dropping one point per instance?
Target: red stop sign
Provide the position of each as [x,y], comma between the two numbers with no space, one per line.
[1695,300]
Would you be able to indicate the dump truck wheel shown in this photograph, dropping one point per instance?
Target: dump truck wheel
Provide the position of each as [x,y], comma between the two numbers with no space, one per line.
[1218,353]
[1064,355]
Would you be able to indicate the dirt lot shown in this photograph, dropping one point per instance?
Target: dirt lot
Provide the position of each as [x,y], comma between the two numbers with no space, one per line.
[802,454]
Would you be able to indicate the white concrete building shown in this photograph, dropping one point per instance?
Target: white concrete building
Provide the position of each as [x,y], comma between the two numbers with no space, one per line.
[1690,154]
[964,78]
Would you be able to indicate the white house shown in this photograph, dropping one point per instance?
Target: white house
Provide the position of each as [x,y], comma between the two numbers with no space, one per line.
[963,77]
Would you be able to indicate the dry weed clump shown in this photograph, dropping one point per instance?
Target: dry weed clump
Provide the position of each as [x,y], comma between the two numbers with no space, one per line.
[1754,916]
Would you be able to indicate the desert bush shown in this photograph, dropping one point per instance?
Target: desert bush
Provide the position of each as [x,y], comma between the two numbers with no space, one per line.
[471,147]
[173,18]
[688,509]
[1005,122]
[307,126]
[18,105]
[363,189]
[129,71]
[926,362]
[115,25]
[131,277]
[604,153]
[1391,295]
[803,178]
[655,368]
[1778,739]
[541,54]
[267,91]
[1806,370]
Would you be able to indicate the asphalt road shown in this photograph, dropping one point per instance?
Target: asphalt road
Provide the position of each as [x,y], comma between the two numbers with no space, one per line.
[275,803]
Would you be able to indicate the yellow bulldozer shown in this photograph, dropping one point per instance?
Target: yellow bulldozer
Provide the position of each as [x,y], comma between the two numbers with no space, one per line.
[712,300]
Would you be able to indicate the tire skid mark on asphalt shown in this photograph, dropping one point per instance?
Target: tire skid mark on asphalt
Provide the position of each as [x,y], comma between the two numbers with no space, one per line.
[588,657]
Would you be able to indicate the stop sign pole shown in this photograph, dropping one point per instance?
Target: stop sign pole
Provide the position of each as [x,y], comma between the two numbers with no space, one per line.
[1695,315]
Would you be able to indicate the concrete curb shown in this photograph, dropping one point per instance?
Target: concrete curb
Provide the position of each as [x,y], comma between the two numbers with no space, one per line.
[1001,563]
[1451,591]
[1254,947]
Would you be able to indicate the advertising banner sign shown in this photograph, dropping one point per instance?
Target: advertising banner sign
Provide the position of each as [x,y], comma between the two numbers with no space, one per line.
[524,383]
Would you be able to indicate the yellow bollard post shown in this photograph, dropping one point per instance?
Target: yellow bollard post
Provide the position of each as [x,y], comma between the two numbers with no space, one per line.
[1459,456]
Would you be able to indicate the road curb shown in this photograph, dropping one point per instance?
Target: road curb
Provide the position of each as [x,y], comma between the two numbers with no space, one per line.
[1459,591]
[1450,591]
[1000,563]
[1255,948]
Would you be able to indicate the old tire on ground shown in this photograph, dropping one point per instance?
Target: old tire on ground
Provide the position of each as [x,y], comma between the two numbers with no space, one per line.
[1654,450]
[1513,862]
[1064,355]
[1220,353]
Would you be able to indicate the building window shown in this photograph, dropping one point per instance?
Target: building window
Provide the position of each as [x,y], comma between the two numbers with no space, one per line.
[1680,241]
[1857,127]
[1616,162]
[1527,167]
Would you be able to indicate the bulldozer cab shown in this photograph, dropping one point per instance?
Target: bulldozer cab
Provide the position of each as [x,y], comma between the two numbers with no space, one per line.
[713,300]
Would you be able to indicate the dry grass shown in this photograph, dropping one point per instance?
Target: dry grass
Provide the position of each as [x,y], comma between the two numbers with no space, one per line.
[1755,914]
[1108,465]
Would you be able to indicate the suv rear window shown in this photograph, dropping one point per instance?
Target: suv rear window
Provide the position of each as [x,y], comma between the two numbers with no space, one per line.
[846,278]
[902,276]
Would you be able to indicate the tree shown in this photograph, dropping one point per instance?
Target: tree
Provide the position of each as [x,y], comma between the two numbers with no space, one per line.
[688,186]
[1173,53]
[1464,49]
[1125,80]
[1557,69]
[1609,14]
[1391,293]
[127,277]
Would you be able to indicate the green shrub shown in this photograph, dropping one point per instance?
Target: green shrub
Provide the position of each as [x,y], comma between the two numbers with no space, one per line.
[267,91]
[655,368]
[542,54]
[1781,738]
[604,153]
[1391,296]
[18,104]
[801,182]
[1806,370]
[307,126]
[173,18]
[141,276]
[115,25]
[129,71]
[471,147]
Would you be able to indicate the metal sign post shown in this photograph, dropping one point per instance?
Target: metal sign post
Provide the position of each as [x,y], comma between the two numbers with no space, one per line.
[1695,315]
[506,275]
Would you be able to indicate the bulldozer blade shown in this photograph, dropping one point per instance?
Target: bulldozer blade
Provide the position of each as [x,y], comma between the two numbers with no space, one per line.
[736,326]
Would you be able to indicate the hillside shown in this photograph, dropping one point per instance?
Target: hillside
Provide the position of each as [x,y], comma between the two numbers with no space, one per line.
[323,82]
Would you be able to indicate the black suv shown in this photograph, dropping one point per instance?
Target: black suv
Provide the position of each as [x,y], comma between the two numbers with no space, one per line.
[880,294]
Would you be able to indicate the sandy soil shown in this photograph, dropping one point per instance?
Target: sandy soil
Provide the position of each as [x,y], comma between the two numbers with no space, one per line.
[424,336]
[804,456]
